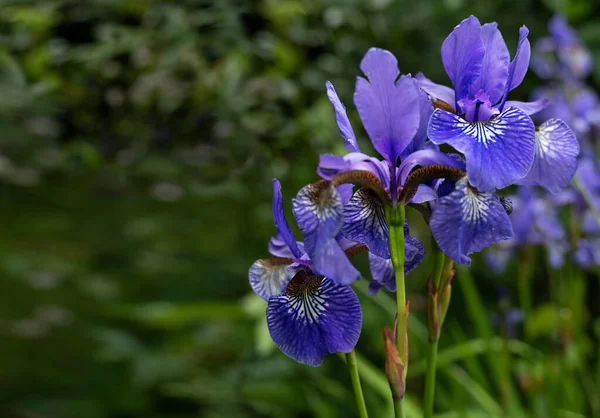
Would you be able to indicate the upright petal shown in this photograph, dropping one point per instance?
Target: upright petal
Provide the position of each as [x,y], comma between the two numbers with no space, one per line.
[436,91]
[425,112]
[389,110]
[314,318]
[283,228]
[270,277]
[555,162]
[364,222]
[467,221]
[519,64]
[462,54]
[319,212]
[494,70]
[343,123]
[498,152]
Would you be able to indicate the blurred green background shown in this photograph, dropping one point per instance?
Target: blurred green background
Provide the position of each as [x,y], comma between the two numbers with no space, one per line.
[138,140]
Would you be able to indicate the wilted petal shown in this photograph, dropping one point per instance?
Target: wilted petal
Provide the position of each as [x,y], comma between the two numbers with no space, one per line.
[494,70]
[283,228]
[467,221]
[319,212]
[388,109]
[343,123]
[529,108]
[436,91]
[498,152]
[365,222]
[555,162]
[519,64]
[462,54]
[270,277]
[314,318]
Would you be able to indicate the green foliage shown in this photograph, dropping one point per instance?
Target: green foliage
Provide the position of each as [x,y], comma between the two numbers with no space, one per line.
[138,141]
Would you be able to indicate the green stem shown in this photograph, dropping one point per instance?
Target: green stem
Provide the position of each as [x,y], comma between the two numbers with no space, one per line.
[395,220]
[358,393]
[430,379]
[432,348]
[399,408]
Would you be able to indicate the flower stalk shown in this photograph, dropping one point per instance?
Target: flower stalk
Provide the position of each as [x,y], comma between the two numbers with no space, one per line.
[358,393]
[395,219]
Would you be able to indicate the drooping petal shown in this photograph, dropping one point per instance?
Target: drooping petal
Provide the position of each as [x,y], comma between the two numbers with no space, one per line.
[319,212]
[436,91]
[382,270]
[279,248]
[518,66]
[556,151]
[382,273]
[364,222]
[462,54]
[467,221]
[270,277]
[389,110]
[341,118]
[498,152]
[494,70]
[283,228]
[529,108]
[314,318]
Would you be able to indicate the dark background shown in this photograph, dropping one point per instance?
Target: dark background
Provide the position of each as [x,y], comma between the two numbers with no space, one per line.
[138,140]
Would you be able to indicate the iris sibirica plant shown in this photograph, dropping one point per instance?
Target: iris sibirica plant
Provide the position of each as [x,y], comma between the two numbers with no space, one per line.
[359,203]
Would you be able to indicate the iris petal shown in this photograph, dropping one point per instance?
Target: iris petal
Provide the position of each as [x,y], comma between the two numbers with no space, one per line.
[467,221]
[529,108]
[382,269]
[279,248]
[462,54]
[498,152]
[556,151]
[270,277]
[364,222]
[343,123]
[519,65]
[495,63]
[389,110]
[283,229]
[436,91]
[319,212]
[314,318]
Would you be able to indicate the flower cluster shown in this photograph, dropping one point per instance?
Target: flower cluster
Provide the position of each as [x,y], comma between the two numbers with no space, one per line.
[359,203]
[562,59]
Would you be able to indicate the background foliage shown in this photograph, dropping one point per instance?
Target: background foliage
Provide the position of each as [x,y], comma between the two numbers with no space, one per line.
[138,141]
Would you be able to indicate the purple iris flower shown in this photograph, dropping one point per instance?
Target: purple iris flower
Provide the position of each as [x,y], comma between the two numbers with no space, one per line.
[496,136]
[562,54]
[395,112]
[311,310]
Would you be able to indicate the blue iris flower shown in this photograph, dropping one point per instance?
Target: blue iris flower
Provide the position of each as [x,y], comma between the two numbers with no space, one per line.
[311,309]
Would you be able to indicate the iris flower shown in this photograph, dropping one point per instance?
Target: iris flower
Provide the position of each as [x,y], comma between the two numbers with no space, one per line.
[497,137]
[311,310]
[395,112]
